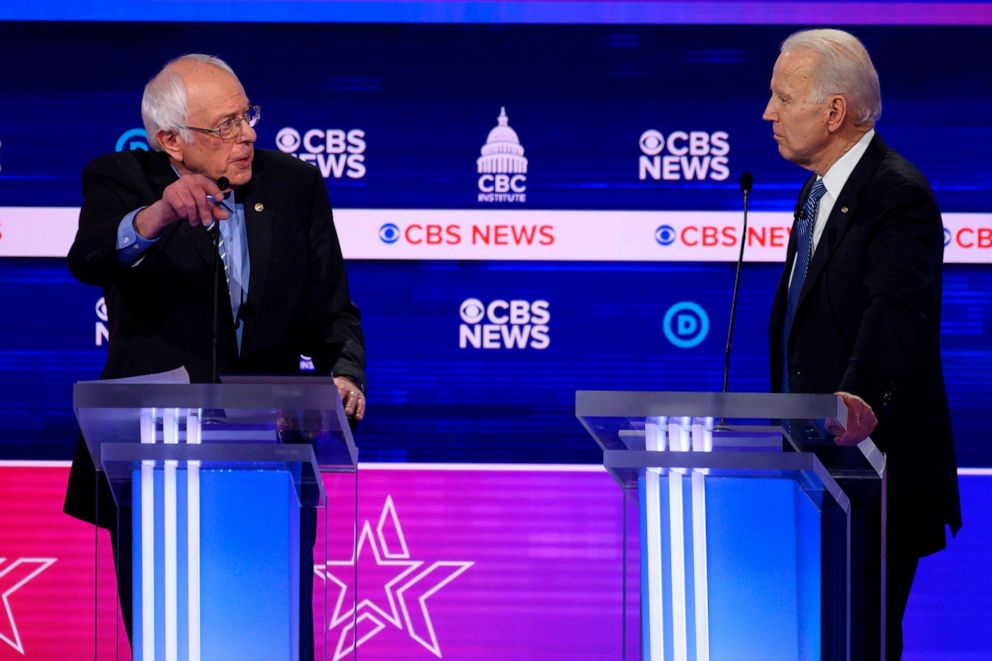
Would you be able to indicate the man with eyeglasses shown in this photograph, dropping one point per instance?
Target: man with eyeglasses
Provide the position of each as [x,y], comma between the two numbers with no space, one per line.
[145,236]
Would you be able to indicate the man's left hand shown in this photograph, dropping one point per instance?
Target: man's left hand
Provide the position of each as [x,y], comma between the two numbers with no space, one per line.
[351,397]
[861,421]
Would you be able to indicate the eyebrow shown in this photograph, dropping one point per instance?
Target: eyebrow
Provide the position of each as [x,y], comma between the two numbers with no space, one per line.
[232,115]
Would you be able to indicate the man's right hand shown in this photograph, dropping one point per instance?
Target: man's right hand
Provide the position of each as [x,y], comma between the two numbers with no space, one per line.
[182,200]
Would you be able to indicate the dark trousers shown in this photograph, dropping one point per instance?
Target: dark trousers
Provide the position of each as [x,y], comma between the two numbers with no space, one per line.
[899,576]
[867,620]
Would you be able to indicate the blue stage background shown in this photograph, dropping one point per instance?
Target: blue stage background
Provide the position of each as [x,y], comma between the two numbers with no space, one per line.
[415,87]
[423,98]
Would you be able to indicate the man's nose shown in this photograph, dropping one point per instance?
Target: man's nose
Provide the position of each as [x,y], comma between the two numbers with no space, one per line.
[246,133]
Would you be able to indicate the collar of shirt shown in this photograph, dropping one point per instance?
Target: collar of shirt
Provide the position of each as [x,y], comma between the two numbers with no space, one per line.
[834,181]
[228,202]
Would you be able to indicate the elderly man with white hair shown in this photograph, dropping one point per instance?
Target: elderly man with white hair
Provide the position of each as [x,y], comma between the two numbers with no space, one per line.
[857,310]
[143,237]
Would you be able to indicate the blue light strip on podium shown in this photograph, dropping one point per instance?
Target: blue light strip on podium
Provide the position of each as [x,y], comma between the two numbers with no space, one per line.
[218,552]
[697,597]
[247,575]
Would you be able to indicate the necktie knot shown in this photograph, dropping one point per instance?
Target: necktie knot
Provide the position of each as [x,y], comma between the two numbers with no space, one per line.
[813,200]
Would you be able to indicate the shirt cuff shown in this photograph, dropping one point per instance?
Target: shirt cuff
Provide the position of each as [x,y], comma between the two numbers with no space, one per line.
[131,245]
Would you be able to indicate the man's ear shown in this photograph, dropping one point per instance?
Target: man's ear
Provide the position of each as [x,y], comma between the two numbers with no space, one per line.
[836,113]
[171,143]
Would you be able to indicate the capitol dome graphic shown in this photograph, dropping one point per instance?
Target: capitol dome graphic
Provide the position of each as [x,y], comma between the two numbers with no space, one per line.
[502,153]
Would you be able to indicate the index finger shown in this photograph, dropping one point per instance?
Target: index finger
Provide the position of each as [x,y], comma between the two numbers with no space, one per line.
[208,185]
[208,197]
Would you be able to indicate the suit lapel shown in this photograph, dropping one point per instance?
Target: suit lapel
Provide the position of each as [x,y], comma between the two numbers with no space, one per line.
[259,224]
[844,209]
[160,174]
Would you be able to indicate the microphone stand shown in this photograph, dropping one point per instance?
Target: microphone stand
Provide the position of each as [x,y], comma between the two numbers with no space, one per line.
[746,189]
[214,232]
[746,183]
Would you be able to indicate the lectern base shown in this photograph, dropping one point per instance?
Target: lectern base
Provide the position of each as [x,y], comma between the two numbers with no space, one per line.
[216,557]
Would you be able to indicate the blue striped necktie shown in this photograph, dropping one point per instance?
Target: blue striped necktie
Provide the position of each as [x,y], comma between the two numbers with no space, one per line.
[222,253]
[804,254]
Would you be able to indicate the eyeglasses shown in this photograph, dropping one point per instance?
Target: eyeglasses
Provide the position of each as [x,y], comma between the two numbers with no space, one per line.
[229,128]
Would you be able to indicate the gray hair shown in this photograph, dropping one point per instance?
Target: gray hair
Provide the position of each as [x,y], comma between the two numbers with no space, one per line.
[844,68]
[164,104]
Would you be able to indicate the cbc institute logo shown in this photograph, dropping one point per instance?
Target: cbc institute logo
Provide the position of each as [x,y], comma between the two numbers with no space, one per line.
[502,166]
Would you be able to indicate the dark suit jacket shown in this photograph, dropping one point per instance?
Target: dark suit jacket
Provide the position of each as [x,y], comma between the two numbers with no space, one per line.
[160,311]
[868,322]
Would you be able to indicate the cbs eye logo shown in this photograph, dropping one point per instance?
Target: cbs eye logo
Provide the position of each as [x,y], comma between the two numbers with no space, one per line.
[389,233]
[665,235]
[288,140]
[652,143]
[472,311]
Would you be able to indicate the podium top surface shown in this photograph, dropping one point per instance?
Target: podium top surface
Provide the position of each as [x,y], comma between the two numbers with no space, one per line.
[693,429]
[274,412]
[739,405]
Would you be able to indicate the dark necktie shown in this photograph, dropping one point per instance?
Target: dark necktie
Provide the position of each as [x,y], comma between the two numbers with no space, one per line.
[804,254]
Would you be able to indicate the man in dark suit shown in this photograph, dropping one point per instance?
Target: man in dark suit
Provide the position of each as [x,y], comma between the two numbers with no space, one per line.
[143,237]
[857,310]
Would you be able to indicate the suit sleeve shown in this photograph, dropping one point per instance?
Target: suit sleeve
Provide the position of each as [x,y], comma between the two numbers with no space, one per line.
[335,332]
[902,278]
[109,193]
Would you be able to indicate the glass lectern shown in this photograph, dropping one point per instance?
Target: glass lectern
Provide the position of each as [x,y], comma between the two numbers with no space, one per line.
[749,534]
[209,483]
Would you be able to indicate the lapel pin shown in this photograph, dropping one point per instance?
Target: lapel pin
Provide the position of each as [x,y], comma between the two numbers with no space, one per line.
[842,209]
[259,207]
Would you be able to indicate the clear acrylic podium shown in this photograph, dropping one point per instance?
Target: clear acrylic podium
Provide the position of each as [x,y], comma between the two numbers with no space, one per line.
[213,479]
[748,534]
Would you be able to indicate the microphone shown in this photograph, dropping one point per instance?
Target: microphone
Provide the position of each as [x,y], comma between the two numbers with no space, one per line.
[746,184]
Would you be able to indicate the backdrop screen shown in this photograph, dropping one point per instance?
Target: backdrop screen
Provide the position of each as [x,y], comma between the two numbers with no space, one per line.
[598,257]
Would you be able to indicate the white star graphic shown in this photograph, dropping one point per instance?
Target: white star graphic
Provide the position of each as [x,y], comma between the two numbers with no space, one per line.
[410,588]
[13,577]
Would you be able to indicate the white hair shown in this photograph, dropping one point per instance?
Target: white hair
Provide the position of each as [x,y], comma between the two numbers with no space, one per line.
[164,104]
[845,68]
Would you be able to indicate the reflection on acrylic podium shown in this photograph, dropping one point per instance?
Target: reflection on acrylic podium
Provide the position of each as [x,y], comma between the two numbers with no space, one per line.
[215,485]
[743,531]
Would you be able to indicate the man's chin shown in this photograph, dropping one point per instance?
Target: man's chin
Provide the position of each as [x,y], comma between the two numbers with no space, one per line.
[239,176]
[790,155]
